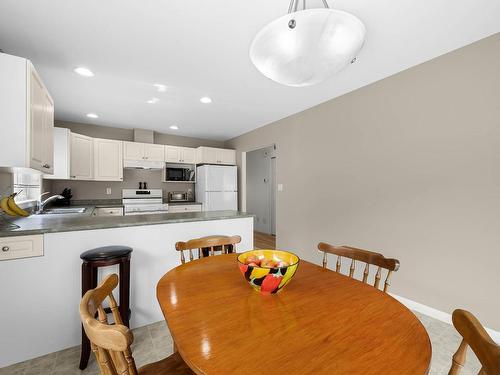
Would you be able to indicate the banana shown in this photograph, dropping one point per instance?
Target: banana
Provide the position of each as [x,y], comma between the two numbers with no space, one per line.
[4,205]
[14,207]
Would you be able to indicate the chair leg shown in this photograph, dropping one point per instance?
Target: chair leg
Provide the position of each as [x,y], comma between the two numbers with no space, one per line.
[87,280]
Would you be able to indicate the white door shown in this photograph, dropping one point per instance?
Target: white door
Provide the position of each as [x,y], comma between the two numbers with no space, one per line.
[221,201]
[230,178]
[82,157]
[48,135]
[133,151]
[188,155]
[154,152]
[62,141]
[108,160]
[173,154]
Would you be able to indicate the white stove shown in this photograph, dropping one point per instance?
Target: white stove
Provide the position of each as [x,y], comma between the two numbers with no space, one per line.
[143,202]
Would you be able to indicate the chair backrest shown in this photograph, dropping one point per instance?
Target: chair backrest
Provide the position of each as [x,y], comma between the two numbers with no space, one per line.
[110,343]
[475,336]
[368,257]
[210,244]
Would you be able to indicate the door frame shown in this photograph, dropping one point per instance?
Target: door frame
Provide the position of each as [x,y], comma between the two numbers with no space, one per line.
[243,176]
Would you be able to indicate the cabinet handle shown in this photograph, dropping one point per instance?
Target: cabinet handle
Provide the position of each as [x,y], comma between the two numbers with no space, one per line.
[5,248]
[46,166]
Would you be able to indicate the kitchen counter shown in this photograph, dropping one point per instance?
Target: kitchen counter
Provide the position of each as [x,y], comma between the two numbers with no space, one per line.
[54,223]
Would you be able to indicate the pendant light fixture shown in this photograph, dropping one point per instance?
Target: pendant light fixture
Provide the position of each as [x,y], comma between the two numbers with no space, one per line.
[307,46]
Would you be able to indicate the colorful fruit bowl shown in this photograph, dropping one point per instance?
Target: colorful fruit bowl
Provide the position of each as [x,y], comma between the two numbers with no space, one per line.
[268,271]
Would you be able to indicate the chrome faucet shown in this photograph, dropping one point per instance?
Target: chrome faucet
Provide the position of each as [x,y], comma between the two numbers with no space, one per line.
[40,204]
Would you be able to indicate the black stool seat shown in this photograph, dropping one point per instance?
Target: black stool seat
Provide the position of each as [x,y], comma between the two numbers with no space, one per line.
[105,253]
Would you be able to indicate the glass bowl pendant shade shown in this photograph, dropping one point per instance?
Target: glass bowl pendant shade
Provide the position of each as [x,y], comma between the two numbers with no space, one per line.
[306,47]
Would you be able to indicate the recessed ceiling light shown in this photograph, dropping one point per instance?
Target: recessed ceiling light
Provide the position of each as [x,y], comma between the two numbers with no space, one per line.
[160,87]
[206,100]
[92,115]
[153,100]
[174,127]
[84,71]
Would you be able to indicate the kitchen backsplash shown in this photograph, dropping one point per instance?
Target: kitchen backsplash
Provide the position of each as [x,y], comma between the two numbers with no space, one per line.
[131,179]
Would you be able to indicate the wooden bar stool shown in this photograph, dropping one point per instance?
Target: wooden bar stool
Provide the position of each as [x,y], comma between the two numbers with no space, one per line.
[103,257]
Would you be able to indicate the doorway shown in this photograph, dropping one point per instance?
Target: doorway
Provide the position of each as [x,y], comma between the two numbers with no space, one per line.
[261,194]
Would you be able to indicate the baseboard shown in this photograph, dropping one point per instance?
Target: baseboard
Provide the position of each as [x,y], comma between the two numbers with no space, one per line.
[437,314]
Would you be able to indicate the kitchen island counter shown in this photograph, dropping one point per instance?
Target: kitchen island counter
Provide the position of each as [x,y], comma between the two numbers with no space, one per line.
[40,224]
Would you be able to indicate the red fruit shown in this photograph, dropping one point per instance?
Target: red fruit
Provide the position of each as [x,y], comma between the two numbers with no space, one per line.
[252,259]
[282,264]
[267,263]
[270,283]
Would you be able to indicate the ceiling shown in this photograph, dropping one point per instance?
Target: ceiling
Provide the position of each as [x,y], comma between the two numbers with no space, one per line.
[200,48]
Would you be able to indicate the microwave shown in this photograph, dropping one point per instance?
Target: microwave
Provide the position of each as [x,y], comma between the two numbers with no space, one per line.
[179,172]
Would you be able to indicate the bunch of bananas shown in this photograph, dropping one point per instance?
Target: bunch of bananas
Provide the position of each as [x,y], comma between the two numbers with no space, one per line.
[10,207]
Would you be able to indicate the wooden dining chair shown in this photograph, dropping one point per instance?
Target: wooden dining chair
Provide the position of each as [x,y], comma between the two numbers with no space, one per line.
[365,256]
[475,336]
[208,246]
[111,343]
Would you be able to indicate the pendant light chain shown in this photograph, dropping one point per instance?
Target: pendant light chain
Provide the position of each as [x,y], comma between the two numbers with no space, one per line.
[294,5]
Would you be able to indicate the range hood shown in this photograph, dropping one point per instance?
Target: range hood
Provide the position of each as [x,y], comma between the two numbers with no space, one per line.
[143,164]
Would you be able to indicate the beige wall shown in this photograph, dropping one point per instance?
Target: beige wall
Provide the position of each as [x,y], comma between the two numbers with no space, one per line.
[409,166]
[131,177]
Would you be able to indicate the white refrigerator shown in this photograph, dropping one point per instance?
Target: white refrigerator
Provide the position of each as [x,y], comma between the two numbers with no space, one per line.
[217,187]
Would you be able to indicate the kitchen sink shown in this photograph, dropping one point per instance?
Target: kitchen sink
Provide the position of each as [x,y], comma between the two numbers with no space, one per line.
[68,210]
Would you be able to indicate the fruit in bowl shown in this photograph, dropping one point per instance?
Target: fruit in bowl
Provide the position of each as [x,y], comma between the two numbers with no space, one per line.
[268,271]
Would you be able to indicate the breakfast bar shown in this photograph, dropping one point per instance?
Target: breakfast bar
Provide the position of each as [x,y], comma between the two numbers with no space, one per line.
[51,281]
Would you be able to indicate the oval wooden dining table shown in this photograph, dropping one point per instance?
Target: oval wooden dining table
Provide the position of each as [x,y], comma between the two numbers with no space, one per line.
[322,322]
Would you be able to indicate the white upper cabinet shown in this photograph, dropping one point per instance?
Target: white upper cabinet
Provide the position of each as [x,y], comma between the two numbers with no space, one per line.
[143,151]
[82,157]
[176,154]
[154,152]
[133,151]
[108,160]
[62,152]
[26,117]
[211,155]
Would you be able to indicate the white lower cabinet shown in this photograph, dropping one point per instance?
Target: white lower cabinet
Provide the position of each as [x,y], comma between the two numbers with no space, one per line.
[21,247]
[108,160]
[82,157]
[108,211]
[184,208]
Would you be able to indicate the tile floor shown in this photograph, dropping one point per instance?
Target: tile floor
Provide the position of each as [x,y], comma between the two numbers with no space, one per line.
[153,342]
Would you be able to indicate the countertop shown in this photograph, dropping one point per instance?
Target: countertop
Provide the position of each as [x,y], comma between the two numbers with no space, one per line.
[39,224]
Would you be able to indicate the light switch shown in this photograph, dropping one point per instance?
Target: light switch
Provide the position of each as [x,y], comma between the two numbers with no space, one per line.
[108,191]
[280,187]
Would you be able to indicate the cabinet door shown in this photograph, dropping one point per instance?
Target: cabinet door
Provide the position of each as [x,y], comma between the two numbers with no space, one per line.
[154,152]
[227,157]
[108,160]
[173,154]
[133,151]
[62,141]
[41,124]
[208,155]
[188,155]
[48,137]
[82,157]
